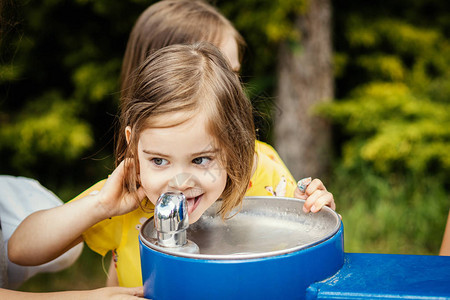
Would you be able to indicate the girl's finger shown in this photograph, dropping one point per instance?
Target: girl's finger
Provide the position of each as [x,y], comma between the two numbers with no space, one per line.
[325,199]
[311,200]
[319,199]
[315,185]
[302,184]
[117,174]
[300,195]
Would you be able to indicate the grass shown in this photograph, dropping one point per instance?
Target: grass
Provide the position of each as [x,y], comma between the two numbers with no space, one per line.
[395,214]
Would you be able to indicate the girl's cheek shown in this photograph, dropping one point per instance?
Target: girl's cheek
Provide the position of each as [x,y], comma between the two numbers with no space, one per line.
[154,185]
[213,173]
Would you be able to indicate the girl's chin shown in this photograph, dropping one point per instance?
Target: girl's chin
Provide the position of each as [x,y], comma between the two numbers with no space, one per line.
[194,218]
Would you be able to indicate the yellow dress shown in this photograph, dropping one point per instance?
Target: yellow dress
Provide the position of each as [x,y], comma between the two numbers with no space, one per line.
[120,234]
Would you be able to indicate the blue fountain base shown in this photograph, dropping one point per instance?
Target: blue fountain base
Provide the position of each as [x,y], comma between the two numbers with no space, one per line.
[386,276]
[279,277]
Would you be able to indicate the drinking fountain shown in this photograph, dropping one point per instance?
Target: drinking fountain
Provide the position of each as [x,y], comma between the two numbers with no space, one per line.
[271,249]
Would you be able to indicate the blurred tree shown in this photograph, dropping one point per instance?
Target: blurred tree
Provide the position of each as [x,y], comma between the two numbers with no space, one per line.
[294,38]
[305,78]
[264,24]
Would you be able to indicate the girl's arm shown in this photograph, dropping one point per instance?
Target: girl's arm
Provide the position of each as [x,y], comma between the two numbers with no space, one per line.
[102,293]
[315,194]
[112,280]
[46,234]
[445,246]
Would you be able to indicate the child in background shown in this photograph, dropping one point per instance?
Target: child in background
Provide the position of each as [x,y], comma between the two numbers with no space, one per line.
[171,22]
[186,126]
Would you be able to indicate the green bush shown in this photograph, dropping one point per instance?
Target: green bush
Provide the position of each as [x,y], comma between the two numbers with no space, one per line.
[392,126]
[393,130]
[390,214]
[50,125]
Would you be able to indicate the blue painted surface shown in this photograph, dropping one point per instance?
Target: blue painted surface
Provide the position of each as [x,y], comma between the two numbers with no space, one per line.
[386,276]
[279,277]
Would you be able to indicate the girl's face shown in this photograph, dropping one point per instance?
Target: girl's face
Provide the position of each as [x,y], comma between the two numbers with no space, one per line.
[181,158]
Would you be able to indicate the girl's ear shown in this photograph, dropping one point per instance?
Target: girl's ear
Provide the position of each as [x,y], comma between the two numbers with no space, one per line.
[128,134]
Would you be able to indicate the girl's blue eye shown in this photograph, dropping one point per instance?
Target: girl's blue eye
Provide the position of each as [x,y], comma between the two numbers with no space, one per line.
[159,161]
[201,160]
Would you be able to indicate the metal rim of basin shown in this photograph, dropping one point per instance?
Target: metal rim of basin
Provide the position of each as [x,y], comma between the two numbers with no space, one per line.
[298,204]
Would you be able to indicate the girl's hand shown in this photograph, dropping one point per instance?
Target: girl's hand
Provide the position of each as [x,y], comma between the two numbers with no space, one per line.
[114,198]
[107,293]
[117,293]
[315,194]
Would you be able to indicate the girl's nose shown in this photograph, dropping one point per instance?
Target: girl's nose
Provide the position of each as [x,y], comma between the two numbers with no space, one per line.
[182,181]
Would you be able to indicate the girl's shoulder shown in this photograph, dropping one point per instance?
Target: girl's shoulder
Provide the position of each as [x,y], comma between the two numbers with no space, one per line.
[263,149]
[271,177]
[270,160]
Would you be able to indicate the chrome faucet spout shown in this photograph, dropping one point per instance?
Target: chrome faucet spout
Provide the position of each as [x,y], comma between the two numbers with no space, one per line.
[171,219]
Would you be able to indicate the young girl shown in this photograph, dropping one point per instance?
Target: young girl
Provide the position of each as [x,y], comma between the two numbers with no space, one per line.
[187,127]
[170,22]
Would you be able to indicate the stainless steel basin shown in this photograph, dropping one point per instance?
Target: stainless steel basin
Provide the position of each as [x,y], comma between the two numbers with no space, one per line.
[265,226]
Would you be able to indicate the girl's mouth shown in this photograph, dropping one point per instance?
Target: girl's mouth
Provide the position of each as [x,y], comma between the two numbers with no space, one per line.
[193,203]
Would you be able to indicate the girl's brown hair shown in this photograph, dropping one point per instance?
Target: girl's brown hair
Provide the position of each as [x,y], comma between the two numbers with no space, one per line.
[170,22]
[192,79]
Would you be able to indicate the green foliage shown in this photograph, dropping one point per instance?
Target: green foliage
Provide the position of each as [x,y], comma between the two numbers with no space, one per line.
[395,50]
[263,24]
[404,38]
[9,73]
[386,67]
[278,16]
[340,61]
[393,130]
[59,72]
[49,125]
[95,81]
[390,214]
[395,114]
[392,124]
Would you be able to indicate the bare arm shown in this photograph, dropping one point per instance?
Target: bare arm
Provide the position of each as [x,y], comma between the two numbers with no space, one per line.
[46,234]
[103,293]
[112,280]
[445,246]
